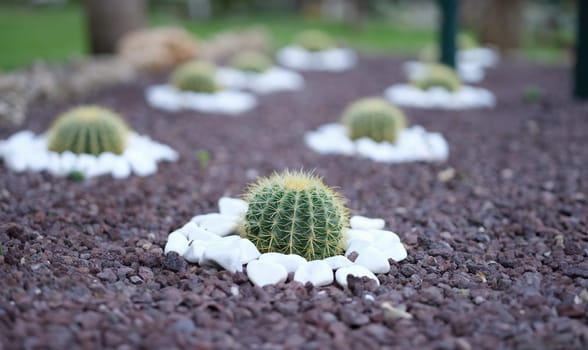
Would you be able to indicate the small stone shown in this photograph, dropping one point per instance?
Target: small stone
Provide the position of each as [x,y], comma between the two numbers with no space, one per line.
[446,175]
[262,273]
[362,222]
[357,234]
[136,279]
[195,251]
[174,262]
[397,252]
[226,255]
[232,206]
[107,275]
[355,270]
[290,262]
[338,261]
[394,313]
[373,259]
[219,224]
[198,233]
[176,242]
[356,245]
[183,325]
[317,272]
[248,251]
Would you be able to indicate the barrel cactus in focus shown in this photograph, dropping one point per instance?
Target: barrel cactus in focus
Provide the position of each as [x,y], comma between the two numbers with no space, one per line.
[314,40]
[198,76]
[88,129]
[375,118]
[295,213]
[437,75]
[251,61]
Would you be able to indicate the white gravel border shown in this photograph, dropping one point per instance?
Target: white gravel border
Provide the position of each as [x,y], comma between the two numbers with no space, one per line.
[467,71]
[413,144]
[25,151]
[333,60]
[467,97]
[482,56]
[211,239]
[227,102]
[272,80]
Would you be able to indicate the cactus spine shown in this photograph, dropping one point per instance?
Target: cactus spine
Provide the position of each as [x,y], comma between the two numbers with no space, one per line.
[374,118]
[314,40]
[88,129]
[437,75]
[197,76]
[295,213]
[251,61]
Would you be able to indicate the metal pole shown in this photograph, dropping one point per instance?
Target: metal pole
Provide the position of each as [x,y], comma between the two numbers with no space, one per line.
[581,69]
[448,31]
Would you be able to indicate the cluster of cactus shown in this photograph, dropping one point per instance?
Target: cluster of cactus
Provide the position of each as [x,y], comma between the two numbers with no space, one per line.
[314,40]
[252,61]
[374,118]
[437,75]
[295,213]
[430,53]
[195,76]
[88,129]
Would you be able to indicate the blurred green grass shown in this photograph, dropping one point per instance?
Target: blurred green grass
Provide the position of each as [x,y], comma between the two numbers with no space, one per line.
[58,33]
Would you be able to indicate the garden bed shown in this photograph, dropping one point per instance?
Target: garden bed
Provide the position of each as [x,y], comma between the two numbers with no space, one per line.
[496,236]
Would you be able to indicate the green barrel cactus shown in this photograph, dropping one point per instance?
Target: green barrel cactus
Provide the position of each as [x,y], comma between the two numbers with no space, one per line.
[196,76]
[314,40]
[295,213]
[252,61]
[375,118]
[437,75]
[88,129]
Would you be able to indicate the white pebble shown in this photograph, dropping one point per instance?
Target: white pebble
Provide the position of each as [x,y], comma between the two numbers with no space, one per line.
[356,245]
[176,242]
[373,259]
[355,270]
[195,251]
[338,261]
[232,206]
[362,222]
[396,252]
[262,273]
[317,272]
[197,232]
[226,255]
[219,224]
[290,262]
[248,250]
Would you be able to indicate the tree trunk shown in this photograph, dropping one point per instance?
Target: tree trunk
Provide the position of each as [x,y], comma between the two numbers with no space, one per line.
[109,20]
[498,22]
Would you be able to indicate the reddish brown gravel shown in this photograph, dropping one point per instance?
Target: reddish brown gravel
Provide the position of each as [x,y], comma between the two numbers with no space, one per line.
[497,252]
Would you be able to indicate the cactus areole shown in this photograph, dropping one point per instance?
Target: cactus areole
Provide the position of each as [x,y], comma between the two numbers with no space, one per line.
[88,129]
[295,213]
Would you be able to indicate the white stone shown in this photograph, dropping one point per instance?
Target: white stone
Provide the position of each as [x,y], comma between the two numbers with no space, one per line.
[226,102]
[356,245]
[334,60]
[362,222]
[356,234]
[262,273]
[232,206]
[195,252]
[219,224]
[413,144]
[290,262]
[272,80]
[481,56]
[25,151]
[176,242]
[464,98]
[373,259]
[396,252]
[248,250]
[356,271]
[469,72]
[227,255]
[196,232]
[317,272]
[338,261]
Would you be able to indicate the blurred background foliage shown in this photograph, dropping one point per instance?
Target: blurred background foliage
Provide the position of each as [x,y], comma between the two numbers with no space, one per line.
[54,30]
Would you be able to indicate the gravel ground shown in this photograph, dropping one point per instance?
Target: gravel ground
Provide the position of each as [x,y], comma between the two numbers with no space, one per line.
[497,236]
